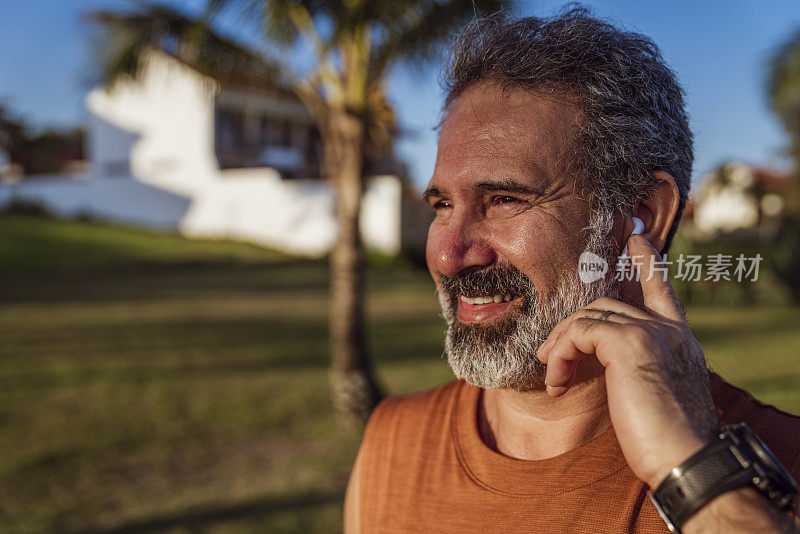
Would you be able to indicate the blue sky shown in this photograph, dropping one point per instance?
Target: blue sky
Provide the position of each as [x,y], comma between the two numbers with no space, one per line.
[718,49]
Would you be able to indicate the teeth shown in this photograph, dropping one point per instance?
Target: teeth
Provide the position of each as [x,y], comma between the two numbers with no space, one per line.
[486,299]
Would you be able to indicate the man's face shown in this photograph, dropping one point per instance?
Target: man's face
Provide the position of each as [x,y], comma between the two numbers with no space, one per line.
[510,225]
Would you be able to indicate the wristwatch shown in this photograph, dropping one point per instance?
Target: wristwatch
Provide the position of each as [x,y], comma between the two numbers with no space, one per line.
[737,458]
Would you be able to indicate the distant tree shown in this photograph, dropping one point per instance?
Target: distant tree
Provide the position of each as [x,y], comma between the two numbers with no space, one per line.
[784,97]
[785,257]
[38,153]
[13,134]
[355,43]
[783,87]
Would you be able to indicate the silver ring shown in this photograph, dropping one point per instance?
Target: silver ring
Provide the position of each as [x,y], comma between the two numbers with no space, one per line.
[606,315]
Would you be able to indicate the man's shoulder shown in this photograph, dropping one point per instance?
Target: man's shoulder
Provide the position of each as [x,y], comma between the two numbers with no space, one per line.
[433,402]
[401,416]
[778,429]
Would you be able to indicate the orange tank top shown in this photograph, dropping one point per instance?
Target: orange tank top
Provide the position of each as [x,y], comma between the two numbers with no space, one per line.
[424,468]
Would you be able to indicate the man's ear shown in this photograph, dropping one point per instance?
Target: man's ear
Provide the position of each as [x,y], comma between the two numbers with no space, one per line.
[658,210]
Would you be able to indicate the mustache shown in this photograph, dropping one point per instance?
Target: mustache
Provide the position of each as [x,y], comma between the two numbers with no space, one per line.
[494,280]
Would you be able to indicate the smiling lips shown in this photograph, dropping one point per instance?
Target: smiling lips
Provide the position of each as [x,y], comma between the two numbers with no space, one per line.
[484,308]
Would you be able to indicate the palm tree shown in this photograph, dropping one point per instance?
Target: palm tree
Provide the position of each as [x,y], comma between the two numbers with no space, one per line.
[355,43]
[783,90]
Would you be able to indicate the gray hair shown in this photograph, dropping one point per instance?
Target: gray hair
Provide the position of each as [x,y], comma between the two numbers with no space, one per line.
[635,121]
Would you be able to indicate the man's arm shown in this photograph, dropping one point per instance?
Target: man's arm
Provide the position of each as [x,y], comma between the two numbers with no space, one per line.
[352,498]
[658,391]
[742,510]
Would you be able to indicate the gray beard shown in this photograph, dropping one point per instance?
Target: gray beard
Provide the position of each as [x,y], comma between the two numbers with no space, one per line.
[502,354]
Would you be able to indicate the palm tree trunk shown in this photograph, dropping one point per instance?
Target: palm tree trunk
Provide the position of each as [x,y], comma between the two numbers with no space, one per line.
[353,385]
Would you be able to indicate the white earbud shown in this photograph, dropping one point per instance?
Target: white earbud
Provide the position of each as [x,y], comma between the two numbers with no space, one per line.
[638,228]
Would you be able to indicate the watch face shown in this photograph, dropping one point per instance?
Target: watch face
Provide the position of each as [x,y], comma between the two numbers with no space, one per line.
[765,455]
[781,482]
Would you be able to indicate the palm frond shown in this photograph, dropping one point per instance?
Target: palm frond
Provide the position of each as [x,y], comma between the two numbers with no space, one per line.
[123,39]
[414,33]
[275,16]
[783,84]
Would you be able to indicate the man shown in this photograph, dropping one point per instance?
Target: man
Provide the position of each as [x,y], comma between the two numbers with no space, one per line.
[575,398]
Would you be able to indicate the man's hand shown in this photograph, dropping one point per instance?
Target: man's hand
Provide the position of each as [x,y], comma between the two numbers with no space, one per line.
[658,391]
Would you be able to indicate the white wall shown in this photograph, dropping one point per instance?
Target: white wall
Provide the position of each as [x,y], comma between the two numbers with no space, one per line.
[151,146]
[123,201]
[252,205]
[165,124]
[296,216]
[726,207]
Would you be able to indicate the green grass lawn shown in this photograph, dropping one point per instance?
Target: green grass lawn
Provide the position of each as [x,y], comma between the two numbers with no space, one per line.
[150,383]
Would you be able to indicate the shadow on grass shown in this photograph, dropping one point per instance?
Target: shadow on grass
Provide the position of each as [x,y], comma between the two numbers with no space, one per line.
[136,282]
[256,509]
[742,330]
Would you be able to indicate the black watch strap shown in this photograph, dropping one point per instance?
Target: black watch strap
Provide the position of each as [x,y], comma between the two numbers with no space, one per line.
[714,470]
[734,460]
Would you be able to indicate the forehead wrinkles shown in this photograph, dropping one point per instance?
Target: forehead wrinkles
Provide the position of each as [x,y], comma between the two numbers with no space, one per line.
[499,146]
[537,138]
[494,132]
[489,140]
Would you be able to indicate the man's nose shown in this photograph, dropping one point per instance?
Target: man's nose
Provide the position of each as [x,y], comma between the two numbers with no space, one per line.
[463,244]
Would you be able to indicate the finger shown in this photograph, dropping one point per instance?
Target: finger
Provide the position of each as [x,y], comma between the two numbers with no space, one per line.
[583,313]
[545,347]
[659,296]
[618,307]
[561,374]
[581,338]
[622,313]
[584,336]
[557,391]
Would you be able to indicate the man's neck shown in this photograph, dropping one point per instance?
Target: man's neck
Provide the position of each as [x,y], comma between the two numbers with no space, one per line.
[532,425]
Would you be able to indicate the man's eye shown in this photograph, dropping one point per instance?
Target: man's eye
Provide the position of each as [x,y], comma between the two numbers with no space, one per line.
[442,204]
[504,199]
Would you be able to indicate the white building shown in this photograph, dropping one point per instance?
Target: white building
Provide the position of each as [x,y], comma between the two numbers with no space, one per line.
[155,146]
[736,196]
